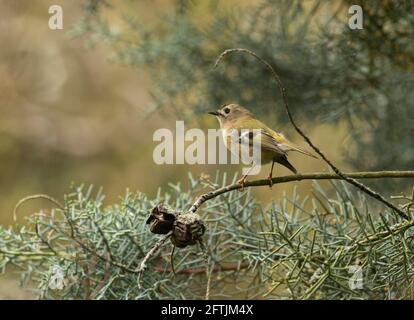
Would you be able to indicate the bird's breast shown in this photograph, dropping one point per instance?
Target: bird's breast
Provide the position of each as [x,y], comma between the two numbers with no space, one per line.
[259,156]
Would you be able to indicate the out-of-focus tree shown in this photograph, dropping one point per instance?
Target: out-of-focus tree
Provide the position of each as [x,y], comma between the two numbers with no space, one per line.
[332,73]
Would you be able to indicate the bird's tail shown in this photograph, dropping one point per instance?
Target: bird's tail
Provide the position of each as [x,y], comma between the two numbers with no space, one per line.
[294,147]
[284,161]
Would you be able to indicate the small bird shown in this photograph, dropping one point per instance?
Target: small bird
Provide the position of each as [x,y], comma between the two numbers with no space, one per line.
[274,145]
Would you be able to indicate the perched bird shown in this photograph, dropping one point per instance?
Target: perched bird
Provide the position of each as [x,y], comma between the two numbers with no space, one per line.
[274,145]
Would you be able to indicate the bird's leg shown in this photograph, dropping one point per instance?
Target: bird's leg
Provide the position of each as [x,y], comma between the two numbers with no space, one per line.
[270,176]
[243,178]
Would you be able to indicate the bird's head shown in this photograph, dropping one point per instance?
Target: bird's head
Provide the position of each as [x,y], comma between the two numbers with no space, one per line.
[230,113]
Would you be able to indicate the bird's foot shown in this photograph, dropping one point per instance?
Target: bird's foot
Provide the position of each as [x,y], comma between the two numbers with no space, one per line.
[242,183]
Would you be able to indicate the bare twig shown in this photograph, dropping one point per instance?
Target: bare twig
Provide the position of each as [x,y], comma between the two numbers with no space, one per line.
[35,196]
[376,237]
[298,177]
[219,268]
[106,242]
[172,260]
[150,253]
[282,89]
[27,253]
[209,272]
[44,241]
[94,253]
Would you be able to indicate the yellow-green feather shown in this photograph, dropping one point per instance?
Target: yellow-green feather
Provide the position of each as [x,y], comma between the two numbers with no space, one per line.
[248,122]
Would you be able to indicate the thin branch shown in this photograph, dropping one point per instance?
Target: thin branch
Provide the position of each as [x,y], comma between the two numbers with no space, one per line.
[85,247]
[150,253]
[229,267]
[94,253]
[282,89]
[172,259]
[44,241]
[209,272]
[35,196]
[27,253]
[298,177]
[395,229]
[106,242]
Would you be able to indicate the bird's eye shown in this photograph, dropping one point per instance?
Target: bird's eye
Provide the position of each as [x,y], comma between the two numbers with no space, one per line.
[227,110]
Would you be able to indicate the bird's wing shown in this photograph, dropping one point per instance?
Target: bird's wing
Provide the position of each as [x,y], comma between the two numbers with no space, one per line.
[270,139]
[286,145]
[267,142]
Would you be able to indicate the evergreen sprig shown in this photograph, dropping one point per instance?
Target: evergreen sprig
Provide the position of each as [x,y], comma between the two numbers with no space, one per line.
[296,248]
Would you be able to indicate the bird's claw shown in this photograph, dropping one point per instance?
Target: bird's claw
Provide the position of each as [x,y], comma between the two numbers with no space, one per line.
[242,183]
[270,178]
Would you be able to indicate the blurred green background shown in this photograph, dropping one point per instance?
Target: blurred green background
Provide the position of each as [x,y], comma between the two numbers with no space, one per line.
[73,112]
[70,114]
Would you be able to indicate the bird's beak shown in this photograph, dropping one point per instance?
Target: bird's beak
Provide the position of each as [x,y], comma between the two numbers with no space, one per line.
[215,113]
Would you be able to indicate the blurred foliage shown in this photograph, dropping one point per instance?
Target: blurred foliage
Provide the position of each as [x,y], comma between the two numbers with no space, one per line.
[325,247]
[298,248]
[332,73]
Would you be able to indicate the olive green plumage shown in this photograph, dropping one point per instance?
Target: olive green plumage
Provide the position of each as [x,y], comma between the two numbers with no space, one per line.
[274,145]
